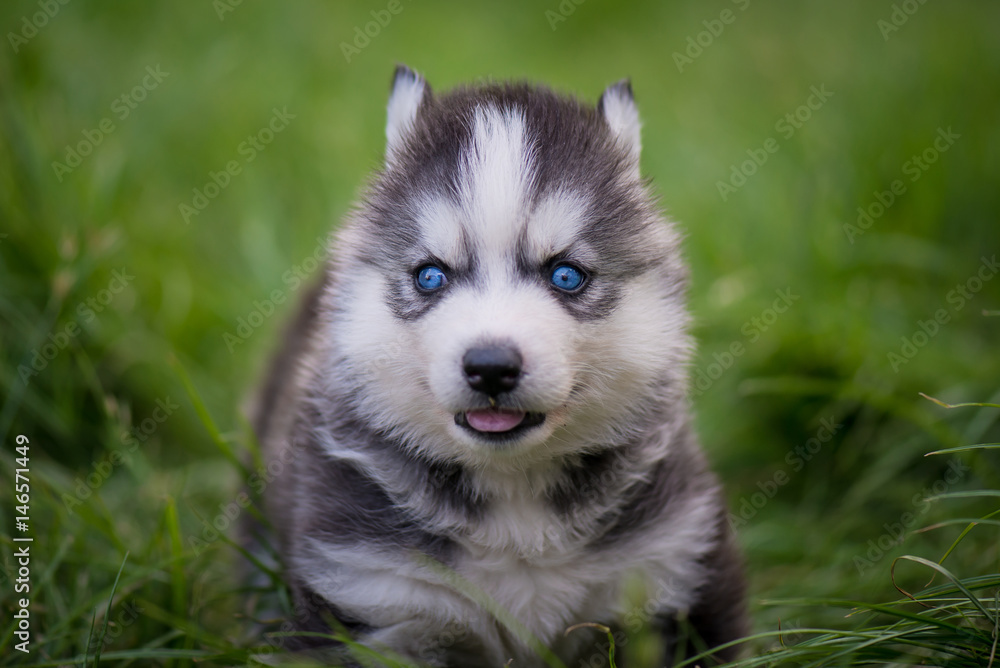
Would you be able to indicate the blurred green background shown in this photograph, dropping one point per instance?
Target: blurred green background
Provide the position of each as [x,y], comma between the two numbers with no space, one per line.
[114,114]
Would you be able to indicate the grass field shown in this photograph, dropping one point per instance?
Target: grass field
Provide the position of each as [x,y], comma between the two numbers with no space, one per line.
[169,171]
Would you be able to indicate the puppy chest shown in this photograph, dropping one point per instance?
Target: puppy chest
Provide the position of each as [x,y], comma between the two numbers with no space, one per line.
[527,560]
[545,595]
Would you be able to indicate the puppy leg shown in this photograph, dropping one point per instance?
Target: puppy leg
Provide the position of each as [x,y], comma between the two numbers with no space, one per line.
[719,616]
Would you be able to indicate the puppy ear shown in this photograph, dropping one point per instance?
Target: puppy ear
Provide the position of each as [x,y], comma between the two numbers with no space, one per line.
[617,106]
[409,92]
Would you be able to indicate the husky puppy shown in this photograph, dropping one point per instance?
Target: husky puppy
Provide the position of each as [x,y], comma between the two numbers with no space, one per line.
[480,416]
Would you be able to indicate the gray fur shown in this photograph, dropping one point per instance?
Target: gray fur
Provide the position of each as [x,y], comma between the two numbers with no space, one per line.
[384,500]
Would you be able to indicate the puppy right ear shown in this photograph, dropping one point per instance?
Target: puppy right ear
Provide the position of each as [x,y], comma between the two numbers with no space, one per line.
[409,92]
[617,106]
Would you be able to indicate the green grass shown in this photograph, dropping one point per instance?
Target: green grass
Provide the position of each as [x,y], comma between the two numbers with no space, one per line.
[139,308]
[952,624]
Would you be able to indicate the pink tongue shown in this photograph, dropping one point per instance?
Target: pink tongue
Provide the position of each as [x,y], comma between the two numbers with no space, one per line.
[493,419]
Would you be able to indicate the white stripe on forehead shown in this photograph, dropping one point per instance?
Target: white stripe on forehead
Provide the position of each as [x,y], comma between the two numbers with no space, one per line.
[496,175]
[495,180]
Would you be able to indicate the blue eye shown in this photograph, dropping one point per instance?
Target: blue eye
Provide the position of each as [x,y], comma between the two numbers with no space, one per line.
[431,278]
[567,278]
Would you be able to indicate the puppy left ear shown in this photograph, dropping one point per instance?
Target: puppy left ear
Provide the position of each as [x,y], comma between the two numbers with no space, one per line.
[409,92]
[617,106]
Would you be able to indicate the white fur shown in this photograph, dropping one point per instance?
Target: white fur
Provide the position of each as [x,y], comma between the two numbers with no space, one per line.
[404,103]
[442,226]
[644,336]
[554,224]
[496,173]
[622,115]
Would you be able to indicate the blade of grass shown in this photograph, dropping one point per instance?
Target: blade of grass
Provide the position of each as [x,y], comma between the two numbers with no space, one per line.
[880,638]
[858,607]
[941,403]
[271,573]
[603,629]
[958,520]
[253,445]
[178,579]
[358,650]
[182,626]
[973,583]
[90,639]
[966,448]
[206,419]
[107,614]
[949,575]
[996,631]
[962,536]
[96,514]
[970,494]
[177,552]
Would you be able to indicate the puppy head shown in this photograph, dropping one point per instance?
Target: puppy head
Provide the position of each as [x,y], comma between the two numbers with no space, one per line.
[507,292]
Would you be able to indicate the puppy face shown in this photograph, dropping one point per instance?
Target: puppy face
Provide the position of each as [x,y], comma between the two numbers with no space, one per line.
[508,293]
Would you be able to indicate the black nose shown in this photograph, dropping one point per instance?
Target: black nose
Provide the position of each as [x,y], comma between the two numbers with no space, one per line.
[492,369]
